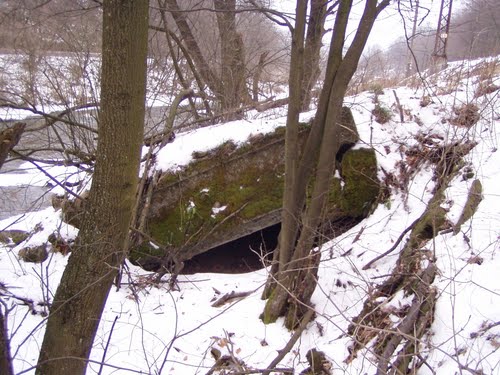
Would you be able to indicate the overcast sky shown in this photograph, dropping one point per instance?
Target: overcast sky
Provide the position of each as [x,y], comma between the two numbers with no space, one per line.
[389,26]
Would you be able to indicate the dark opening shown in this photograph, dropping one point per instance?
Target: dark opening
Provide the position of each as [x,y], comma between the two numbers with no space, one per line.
[255,251]
[245,254]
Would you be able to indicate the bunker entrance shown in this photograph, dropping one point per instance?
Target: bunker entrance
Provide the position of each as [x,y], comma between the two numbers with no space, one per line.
[254,251]
[246,254]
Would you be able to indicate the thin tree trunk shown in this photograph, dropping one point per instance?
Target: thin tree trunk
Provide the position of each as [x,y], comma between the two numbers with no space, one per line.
[5,359]
[232,56]
[298,276]
[181,21]
[315,30]
[289,217]
[177,68]
[256,77]
[81,296]
[196,75]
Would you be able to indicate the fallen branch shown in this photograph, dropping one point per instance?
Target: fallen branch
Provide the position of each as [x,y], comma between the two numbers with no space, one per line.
[410,321]
[400,107]
[228,297]
[396,244]
[289,345]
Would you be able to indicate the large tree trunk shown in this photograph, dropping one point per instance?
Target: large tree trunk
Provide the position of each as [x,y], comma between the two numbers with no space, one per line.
[297,268]
[82,293]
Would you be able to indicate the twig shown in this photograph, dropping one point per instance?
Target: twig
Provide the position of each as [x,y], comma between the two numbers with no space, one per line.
[229,297]
[289,345]
[69,191]
[107,346]
[396,244]
[400,107]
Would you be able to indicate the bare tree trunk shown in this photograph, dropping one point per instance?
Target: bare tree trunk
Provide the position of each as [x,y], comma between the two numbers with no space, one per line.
[258,73]
[9,138]
[5,359]
[232,56]
[175,62]
[315,30]
[82,293]
[289,218]
[180,18]
[297,272]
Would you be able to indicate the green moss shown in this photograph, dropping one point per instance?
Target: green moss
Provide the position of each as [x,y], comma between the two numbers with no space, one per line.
[144,250]
[256,191]
[474,197]
[4,238]
[17,236]
[429,224]
[361,186]
[248,182]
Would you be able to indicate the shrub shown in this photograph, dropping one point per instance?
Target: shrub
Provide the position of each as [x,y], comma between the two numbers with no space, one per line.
[381,114]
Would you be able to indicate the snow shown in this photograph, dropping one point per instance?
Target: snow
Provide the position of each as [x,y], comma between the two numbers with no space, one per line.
[179,153]
[153,329]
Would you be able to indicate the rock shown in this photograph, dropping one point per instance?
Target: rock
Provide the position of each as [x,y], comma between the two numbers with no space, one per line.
[17,236]
[361,184]
[36,254]
[348,131]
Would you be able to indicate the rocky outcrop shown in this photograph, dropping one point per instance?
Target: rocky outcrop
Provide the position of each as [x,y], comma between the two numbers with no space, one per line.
[231,191]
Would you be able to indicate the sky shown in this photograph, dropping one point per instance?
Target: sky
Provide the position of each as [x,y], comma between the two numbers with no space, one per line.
[389,25]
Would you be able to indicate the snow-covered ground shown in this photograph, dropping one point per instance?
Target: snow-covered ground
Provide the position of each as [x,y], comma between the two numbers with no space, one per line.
[150,329]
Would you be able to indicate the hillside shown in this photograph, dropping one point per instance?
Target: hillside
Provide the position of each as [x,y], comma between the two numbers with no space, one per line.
[446,140]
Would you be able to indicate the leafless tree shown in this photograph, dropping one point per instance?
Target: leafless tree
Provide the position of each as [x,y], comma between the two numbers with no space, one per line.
[294,274]
[102,240]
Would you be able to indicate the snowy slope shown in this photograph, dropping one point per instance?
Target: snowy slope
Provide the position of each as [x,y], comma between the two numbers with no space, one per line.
[149,329]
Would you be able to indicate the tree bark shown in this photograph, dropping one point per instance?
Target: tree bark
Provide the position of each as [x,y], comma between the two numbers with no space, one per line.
[5,359]
[81,296]
[9,139]
[315,30]
[297,274]
[257,75]
[180,18]
[289,217]
[232,56]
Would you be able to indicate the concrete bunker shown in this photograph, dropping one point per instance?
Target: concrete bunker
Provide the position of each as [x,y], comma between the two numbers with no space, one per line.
[211,214]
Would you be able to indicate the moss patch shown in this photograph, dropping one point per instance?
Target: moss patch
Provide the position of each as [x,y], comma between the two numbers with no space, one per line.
[17,236]
[361,185]
[474,197]
[208,204]
[229,192]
